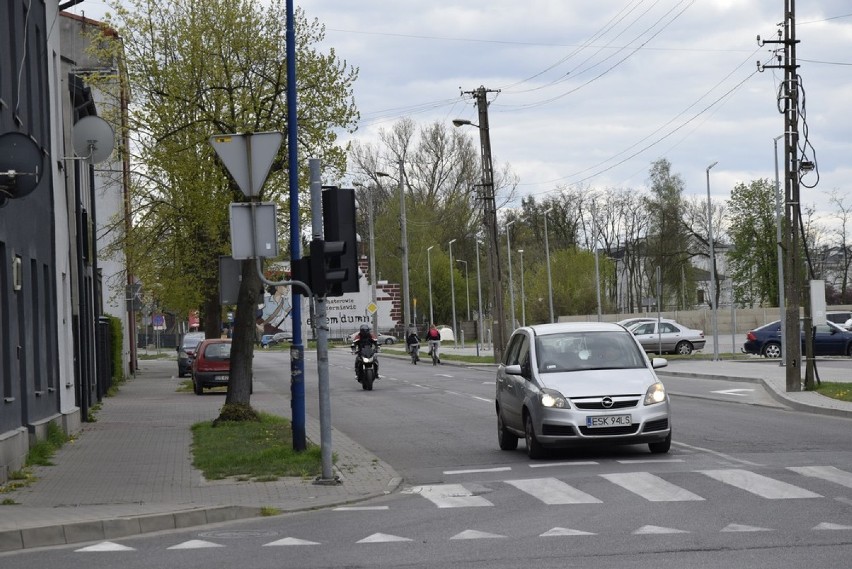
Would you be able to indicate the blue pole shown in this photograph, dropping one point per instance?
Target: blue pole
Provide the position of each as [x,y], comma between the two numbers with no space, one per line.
[297,351]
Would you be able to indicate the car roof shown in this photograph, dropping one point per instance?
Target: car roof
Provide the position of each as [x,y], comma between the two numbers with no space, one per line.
[569,327]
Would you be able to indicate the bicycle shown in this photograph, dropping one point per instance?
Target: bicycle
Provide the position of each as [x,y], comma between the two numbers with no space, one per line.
[433,351]
[414,349]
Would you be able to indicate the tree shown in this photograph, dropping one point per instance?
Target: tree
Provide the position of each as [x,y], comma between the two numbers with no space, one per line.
[201,68]
[667,238]
[753,255]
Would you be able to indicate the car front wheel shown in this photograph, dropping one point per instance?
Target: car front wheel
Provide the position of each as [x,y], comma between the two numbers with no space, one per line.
[772,350]
[661,447]
[683,348]
[534,449]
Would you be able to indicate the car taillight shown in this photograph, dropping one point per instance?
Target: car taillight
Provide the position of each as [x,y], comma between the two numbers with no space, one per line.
[751,337]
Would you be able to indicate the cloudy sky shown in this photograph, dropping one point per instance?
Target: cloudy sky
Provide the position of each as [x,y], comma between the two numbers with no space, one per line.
[592,91]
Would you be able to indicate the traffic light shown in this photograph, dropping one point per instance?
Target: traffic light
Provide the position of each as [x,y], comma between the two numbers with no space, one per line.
[326,277]
[338,209]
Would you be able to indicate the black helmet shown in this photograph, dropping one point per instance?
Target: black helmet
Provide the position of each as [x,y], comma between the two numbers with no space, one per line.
[365,328]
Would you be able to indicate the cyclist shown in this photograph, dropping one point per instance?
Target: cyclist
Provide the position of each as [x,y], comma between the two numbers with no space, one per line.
[434,339]
[412,342]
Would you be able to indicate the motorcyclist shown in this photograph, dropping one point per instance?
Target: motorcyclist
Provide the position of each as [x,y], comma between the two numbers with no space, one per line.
[364,338]
[412,340]
[433,336]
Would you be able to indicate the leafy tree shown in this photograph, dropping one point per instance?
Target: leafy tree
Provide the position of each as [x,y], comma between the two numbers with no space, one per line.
[201,68]
[667,238]
[753,255]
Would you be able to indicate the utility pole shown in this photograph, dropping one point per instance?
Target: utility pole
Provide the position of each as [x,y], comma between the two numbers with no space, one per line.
[490,221]
[792,245]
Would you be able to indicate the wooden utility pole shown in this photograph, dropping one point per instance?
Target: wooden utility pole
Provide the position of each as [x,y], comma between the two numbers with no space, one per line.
[789,96]
[490,221]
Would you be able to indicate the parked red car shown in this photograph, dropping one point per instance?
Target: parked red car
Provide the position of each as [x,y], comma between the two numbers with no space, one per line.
[211,366]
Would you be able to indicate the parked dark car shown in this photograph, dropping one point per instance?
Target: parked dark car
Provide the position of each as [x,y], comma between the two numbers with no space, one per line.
[268,340]
[829,340]
[186,351]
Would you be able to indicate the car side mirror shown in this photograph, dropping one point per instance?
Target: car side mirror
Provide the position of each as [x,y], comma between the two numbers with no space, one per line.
[513,369]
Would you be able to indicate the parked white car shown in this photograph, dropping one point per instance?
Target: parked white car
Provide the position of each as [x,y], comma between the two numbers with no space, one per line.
[668,336]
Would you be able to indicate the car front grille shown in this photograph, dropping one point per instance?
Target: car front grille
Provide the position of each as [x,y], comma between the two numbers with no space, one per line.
[609,431]
[558,430]
[658,425]
[596,404]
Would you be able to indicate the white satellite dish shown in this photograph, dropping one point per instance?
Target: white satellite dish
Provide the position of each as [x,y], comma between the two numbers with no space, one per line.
[93,139]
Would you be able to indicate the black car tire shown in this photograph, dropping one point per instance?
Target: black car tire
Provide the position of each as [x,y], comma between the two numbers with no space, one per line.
[683,348]
[507,440]
[197,387]
[181,373]
[661,447]
[772,350]
[534,450]
[388,341]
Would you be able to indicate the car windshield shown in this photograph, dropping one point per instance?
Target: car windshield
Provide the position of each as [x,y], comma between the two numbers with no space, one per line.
[587,350]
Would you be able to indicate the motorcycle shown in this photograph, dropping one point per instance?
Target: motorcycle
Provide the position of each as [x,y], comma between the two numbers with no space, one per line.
[367,366]
[414,349]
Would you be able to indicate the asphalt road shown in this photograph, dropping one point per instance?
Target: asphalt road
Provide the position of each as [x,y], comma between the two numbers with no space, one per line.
[746,484]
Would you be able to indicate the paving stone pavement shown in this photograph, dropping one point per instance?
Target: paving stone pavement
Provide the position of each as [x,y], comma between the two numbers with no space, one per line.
[130,472]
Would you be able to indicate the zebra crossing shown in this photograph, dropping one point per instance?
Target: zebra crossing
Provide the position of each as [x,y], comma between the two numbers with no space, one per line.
[646,485]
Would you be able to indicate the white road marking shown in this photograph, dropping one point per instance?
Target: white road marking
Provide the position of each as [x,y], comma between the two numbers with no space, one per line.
[105,546]
[195,544]
[652,488]
[382,538]
[359,508]
[552,491]
[290,541]
[563,531]
[474,534]
[645,530]
[551,464]
[830,526]
[482,399]
[829,473]
[475,470]
[649,460]
[717,453]
[742,528]
[760,485]
[448,376]
[738,392]
[449,496]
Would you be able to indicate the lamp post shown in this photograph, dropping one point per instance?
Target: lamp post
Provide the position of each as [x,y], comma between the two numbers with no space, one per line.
[467,285]
[370,214]
[406,304]
[489,216]
[453,291]
[478,300]
[511,282]
[778,217]
[523,296]
[597,263]
[713,300]
[547,257]
[429,267]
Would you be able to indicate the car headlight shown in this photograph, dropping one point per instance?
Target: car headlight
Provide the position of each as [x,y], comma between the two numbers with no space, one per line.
[655,394]
[552,398]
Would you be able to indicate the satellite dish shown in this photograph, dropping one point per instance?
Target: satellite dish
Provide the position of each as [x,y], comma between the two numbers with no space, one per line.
[93,139]
[20,165]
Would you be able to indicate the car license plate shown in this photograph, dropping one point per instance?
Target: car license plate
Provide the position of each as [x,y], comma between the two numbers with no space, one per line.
[608,421]
[221,378]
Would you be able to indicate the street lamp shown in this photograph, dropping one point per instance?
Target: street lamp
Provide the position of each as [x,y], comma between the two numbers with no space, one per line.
[523,296]
[453,291]
[547,256]
[511,282]
[370,213]
[713,300]
[429,267]
[467,285]
[489,216]
[406,304]
[597,263]
[478,300]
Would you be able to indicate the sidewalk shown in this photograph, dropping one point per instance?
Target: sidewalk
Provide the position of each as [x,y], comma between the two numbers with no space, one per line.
[147,482]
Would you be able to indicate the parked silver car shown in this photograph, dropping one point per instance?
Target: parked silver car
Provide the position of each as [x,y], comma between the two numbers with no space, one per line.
[580,383]
[668,336]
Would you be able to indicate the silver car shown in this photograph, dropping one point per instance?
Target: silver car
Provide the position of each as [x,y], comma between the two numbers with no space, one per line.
[668,336]
[576,383]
